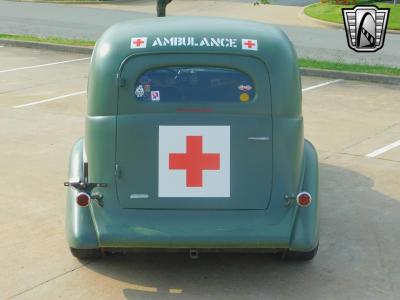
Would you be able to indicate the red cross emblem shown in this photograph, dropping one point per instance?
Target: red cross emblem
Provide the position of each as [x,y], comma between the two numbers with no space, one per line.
[249,44]
[194,161]
[138,42]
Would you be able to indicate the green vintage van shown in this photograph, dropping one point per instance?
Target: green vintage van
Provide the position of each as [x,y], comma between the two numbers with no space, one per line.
[194,142]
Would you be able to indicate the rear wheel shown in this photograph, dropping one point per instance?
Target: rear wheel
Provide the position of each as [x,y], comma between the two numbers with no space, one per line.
[86,253]
[300,255]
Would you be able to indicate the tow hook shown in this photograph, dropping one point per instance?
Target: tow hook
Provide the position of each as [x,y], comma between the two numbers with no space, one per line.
[194,254]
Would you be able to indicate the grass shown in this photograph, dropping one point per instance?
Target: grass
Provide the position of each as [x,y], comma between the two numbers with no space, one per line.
[338,66]
[50,40]
[71,1]
[333,13]
[303,62]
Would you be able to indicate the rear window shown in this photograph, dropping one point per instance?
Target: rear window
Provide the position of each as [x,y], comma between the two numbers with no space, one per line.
[194,84]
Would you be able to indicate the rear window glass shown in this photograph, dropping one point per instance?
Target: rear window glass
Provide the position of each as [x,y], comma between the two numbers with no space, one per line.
[194,84]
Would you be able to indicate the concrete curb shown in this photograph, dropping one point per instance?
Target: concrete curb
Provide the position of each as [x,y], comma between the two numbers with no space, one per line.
[333,25]
[386,79]
[47,46]
[304,71]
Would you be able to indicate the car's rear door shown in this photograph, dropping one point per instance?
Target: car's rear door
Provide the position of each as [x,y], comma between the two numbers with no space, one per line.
[192,153]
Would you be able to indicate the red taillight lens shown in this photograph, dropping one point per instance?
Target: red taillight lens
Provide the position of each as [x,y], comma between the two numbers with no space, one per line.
[82,199]
[304,199]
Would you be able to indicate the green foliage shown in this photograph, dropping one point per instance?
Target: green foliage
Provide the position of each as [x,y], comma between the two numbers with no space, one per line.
[50,39]
[338,66]
[347,2]
[333,13]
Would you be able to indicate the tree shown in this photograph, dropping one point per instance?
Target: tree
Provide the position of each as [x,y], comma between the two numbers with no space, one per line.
[161,7]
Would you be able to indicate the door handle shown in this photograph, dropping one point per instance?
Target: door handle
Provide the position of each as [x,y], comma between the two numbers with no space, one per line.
[258,138]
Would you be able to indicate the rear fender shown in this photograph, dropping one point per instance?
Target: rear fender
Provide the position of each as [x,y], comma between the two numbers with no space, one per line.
[305,232]
[81,233]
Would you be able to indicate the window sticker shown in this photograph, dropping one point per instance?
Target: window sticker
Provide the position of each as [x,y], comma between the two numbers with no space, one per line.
[244,97]
[143,89]
[147,88]
[155,96]
[139,92]
[245,87]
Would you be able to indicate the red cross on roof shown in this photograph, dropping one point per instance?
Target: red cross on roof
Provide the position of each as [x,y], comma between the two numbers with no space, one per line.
[138,42]
[249,44]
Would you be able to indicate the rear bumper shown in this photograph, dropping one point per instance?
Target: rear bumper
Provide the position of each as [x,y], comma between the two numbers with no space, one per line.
[194,229]
[112,227]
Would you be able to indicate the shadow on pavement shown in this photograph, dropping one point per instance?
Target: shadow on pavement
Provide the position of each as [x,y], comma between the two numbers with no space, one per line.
[357,257]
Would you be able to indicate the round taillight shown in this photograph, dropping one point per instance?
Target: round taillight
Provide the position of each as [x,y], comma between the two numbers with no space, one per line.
[82,199]
[303,199]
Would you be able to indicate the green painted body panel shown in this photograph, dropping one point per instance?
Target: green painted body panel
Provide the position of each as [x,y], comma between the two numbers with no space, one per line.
[121,131]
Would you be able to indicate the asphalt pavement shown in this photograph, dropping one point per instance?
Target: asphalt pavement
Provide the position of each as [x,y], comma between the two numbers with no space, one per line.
[352,125]
[68,21]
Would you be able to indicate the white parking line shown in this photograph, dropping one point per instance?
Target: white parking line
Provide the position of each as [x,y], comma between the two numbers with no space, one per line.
[1,46]
[321,85]
[44,65]
[49,100]
[384,149]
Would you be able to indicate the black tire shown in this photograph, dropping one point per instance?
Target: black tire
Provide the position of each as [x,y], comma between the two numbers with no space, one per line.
[86,253]
[299,255]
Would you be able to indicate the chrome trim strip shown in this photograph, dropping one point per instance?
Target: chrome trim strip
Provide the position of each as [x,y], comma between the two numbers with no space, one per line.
[139,196]
[258,138]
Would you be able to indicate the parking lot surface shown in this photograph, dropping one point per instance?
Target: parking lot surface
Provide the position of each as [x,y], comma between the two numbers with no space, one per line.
[355,127]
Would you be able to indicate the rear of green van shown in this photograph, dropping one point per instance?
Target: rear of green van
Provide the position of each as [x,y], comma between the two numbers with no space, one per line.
[200,148]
